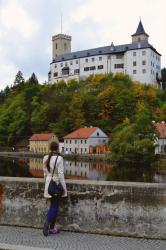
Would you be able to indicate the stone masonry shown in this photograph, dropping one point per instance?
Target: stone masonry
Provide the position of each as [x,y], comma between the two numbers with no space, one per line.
[113,208]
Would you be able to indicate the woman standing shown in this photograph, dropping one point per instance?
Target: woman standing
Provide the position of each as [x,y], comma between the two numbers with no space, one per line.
[49,161]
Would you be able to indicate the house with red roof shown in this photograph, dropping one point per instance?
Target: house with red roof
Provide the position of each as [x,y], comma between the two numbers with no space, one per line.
[81,140]
[161,138]
[39,143]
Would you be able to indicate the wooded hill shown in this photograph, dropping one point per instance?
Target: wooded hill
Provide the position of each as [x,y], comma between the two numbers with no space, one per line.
[105,101]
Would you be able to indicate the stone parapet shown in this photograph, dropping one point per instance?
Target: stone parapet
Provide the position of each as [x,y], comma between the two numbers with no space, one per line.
[115,208]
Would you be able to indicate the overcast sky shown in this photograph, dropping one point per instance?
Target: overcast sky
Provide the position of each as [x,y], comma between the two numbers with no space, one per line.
[26,28]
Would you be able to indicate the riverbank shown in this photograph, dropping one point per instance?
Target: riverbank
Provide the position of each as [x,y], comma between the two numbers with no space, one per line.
[72,157]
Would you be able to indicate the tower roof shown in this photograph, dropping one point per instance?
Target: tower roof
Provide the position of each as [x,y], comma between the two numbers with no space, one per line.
[140,30]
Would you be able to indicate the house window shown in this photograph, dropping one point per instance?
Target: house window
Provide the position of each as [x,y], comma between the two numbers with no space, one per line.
[86,60]
[100,67]
[75,141]
[100,58]
[76,61]
[65,64]
[55,74]
[134,63]
[143,52]
[71,63]
[134,53]
[55,66]
[81,141]
[85,141]
[93,59]
[144,71]
[85,150]
[61,64]
[119,66]
[144,62]
[70,141]
[76,71]
[134,72]
[97,133]
[86,69]
[66,141]
[92,67]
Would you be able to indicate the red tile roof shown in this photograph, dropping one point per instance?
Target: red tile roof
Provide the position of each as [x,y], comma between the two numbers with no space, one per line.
[161,128]
[41,137]
[82,133]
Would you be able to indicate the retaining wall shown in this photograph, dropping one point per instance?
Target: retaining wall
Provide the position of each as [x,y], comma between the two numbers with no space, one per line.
[115,208]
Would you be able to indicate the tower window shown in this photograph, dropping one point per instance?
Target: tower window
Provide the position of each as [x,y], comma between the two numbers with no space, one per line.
[65,46]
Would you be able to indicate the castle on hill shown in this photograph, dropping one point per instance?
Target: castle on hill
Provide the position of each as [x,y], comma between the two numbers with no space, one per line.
[138,59]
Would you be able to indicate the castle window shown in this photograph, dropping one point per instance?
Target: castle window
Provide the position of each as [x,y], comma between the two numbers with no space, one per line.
[119,66]
[143,52]
[56,45]
[134,72]
[134,63]
[65,71]
[86,60]
[76,71]
[61,64]
[55,66]
[144,71]
[66,64]
[76,61]
[71,63]
[100,67]
[93,59]
[86,69]
[100,58]
[92,68]
[55,74]
[120,56]
[134,53]
[143,62]
[65,46]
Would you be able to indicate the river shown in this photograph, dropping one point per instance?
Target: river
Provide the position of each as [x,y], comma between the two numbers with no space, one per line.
[32,167]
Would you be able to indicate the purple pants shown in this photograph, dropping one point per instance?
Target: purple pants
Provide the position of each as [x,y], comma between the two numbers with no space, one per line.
[52,212]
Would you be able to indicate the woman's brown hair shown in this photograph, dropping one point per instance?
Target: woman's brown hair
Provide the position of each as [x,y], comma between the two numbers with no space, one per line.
[54,150]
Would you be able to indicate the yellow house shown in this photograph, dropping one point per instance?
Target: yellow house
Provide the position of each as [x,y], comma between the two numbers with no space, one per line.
[39,143]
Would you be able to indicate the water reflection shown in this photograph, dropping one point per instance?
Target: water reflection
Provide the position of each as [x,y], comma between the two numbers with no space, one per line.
[74,170]
[83,170]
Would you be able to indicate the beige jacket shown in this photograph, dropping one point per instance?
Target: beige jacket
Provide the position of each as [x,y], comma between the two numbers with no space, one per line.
[58,173]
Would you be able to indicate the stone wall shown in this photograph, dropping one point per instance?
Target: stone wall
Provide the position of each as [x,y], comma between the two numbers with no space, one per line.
[117,208]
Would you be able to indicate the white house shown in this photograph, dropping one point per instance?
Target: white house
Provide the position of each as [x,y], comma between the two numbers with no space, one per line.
[80,141]
[138,59]
[161,139]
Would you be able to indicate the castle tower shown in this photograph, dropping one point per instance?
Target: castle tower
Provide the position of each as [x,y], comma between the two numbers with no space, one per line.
[61,44]
[140,34]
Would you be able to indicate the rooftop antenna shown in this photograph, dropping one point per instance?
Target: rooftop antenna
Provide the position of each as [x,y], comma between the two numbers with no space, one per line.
[61,23]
